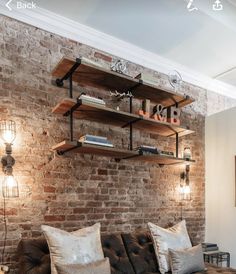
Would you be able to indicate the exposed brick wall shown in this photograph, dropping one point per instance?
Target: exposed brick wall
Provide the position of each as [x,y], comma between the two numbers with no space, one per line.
[75,190]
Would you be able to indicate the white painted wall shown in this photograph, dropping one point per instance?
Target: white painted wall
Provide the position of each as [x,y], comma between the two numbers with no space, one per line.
[220,181]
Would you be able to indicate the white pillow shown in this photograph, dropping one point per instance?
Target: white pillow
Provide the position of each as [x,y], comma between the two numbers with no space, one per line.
[82,246]
[99,267]
[175,237]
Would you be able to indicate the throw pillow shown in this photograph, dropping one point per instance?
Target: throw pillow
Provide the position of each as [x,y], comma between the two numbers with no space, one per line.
[99,267]
[187,260]
[175,237]
[82,246]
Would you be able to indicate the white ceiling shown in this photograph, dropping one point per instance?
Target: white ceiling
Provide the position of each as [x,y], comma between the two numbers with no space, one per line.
[203,40]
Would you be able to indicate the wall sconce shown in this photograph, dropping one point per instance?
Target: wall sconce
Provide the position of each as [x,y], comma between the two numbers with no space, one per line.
[185,191]
[10,187]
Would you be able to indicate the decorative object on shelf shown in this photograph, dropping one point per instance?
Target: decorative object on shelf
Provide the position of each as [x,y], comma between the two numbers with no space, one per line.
[159,113]
[95,140]
[10,185]
[187,154]
[90,99]
[173,115]
[145,111]
[185,191]
[119,66]
[118,97]
[175,79]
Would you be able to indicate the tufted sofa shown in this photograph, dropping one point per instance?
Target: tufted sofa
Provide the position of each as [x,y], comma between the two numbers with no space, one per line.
[131,253]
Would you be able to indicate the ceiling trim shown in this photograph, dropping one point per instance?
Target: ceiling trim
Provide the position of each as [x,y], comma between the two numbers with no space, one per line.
[65,27]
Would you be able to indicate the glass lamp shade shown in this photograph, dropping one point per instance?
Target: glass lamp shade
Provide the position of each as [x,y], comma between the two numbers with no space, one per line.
[10,187]
[185,192]
[8,131]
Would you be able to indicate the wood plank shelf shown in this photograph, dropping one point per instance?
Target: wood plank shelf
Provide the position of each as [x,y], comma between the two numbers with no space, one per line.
[77,147]
[92,75]
[94,112]
[162,159]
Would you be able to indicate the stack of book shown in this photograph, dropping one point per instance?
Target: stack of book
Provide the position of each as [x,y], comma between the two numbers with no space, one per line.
[153,150]
[166,153]
[95,140]
[207,247]
[147,150]
[89,99]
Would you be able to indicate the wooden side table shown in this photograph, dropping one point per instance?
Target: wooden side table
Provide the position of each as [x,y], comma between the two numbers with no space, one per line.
[217,257]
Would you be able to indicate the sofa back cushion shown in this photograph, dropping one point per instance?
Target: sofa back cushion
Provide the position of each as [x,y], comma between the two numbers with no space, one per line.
[34,257]
[114,249]
[141,252]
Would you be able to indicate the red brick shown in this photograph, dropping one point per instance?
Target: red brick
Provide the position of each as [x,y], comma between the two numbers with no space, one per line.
[54,218]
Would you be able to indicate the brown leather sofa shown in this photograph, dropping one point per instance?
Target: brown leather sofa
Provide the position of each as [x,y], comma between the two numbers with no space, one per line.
[128,254]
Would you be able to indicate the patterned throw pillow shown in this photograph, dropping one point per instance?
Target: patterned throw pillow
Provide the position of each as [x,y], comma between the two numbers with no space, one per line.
[100,267]
[175,237]
[187,260]
[82,246]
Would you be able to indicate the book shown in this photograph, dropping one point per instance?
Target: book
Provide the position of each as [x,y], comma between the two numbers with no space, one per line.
[208,244]
[91,63]
[98,143]
[166,153]
[91,99]
[93,138]
[213,248]
[147,149]
[147,78]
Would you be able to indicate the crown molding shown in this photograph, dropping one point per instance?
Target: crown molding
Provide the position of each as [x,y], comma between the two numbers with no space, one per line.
[65,27]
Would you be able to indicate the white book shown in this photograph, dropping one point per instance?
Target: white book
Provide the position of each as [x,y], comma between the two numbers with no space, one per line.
[92,99]
[89,137]
[98,144]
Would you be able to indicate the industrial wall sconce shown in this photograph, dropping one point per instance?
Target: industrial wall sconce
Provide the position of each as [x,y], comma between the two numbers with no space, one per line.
[10,187]
[185,191]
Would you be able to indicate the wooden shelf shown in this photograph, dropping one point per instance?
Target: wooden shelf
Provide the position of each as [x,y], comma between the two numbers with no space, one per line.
[163,159]
[162,128]
[93,112]
[162,96]
[120,154]
[88,74]
[95,76]
[93,149]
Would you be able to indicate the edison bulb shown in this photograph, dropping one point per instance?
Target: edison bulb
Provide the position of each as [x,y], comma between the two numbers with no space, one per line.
[10,187]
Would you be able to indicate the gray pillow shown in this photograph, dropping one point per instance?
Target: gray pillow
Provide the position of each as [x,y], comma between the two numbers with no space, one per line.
[186,261]
[99,267]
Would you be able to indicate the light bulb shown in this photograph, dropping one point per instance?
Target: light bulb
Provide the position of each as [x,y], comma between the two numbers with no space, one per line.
[8,131]
[185,192]
[8,136]
[10,187]
[187,189]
